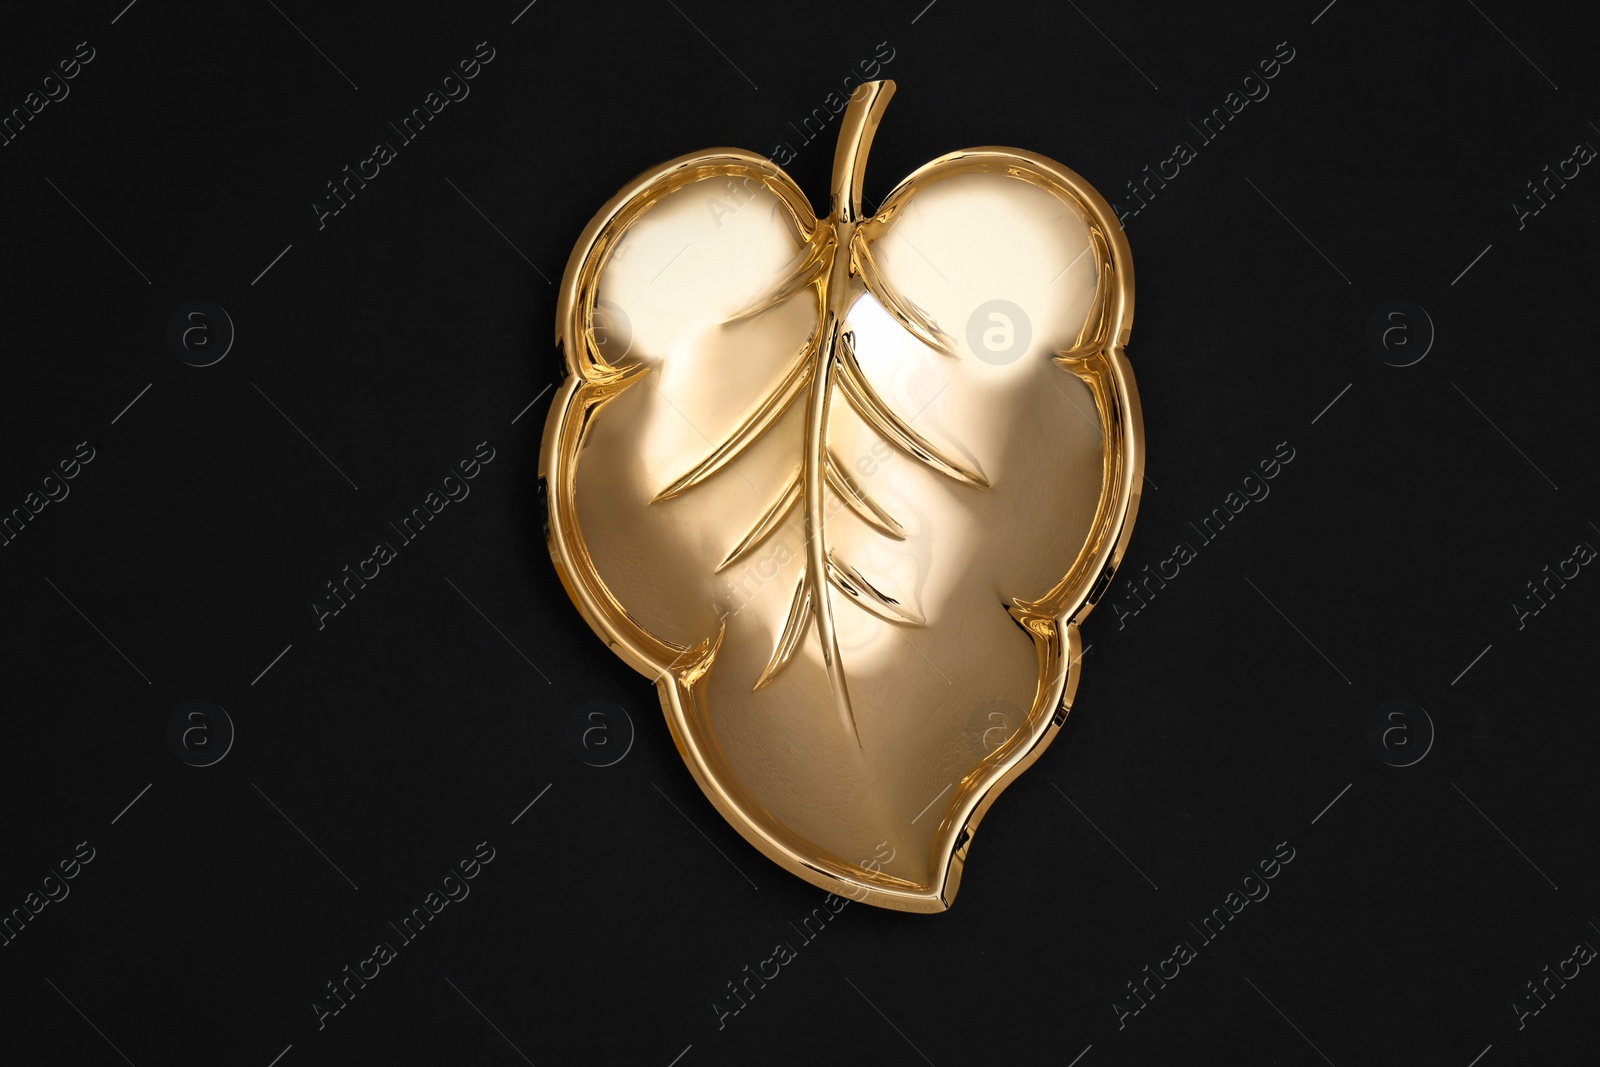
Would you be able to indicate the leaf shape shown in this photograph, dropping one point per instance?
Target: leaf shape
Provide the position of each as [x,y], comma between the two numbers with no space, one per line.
[768,574]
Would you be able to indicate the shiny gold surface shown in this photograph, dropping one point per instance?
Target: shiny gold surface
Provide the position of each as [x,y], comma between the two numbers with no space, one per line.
[851,549]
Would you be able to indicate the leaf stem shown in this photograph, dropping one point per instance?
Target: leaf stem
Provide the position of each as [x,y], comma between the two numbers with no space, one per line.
[856,129]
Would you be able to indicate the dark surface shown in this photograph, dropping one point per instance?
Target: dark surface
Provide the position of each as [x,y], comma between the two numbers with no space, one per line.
[1209,727]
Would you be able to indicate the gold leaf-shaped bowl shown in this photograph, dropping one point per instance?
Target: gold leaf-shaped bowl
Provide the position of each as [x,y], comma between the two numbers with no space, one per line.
[845,488]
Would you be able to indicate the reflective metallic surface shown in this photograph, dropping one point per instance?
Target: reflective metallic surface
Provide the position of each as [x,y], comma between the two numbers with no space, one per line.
[845,488]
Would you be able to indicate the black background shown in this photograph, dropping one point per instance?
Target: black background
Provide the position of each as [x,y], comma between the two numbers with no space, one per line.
[1219,721]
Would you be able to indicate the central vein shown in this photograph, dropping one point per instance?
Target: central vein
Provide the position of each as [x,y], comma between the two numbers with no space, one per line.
[856,129]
